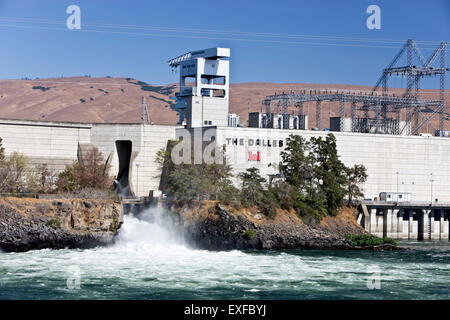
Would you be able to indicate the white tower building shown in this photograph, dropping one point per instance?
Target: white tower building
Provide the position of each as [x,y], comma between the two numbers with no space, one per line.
[204,87]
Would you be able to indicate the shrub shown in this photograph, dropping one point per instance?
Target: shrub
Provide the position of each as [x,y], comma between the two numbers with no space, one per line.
[368,240]
[40,88]
[187,182]
[249,234]
[66,181]
[54,223]
[92,171]
[268,204]
[16,176]
[285,194]
[228,194]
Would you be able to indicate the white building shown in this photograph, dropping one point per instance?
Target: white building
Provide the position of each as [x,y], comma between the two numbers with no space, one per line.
[233,120]
[204,86]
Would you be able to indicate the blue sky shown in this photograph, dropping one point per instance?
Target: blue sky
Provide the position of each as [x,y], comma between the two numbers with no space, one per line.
[37,49]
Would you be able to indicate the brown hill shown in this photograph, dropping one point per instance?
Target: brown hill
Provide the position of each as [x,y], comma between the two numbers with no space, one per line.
[85,99]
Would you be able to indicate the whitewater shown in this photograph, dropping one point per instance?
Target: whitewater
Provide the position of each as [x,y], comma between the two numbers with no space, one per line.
[149,260]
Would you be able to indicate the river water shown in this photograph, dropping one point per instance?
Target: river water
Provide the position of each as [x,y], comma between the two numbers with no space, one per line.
[149,262]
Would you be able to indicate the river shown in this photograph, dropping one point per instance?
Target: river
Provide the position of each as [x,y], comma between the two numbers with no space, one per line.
[149,261]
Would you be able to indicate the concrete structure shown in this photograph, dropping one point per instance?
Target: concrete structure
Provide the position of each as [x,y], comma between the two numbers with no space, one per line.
[395,196]
[55,144]
[204,87]
[403,163]
[390,126]
[132,150]
[443,133]
[277,121]
[406,221]
[233,120]
[129,148]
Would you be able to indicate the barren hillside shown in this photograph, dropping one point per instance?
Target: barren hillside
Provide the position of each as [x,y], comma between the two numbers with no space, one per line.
[85,99]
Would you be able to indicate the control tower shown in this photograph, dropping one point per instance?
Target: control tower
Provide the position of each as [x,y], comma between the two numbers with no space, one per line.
[204,87]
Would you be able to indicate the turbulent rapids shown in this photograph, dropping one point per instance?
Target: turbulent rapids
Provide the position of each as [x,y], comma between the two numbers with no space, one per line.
[149,260]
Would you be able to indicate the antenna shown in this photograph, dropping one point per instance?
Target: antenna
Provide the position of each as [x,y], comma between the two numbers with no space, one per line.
[144,113]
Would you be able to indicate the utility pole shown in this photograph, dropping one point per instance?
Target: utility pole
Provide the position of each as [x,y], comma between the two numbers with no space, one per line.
[397,187]
[431,189]
[144,112]
[137,179]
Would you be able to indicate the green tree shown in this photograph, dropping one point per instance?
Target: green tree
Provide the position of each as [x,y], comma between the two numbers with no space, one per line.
[296,164]
[203,181]
[218,176]
[355,176]
[17,176]
[66,181]
[329,172]
[285,194]
[228,193]
[252,187]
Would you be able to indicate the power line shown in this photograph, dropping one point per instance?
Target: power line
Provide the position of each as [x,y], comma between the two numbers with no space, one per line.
[211,38]
[193,30]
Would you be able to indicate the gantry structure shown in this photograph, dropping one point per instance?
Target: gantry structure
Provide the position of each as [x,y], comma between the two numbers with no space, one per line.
[385,108]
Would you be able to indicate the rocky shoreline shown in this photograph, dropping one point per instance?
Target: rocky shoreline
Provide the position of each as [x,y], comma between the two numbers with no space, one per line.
[29,224]
[217,227]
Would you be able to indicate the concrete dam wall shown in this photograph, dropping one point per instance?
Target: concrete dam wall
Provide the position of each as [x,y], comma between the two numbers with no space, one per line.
[409,164]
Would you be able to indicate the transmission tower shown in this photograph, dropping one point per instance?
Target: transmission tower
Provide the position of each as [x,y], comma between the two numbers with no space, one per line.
[413,74]
[145,118]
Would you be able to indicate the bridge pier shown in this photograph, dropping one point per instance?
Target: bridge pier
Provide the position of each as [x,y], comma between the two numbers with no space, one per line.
[445,226]
[399,219]
[412,227]
[387,222]
[424,228]
[376,223]
[433,225]
[439,226]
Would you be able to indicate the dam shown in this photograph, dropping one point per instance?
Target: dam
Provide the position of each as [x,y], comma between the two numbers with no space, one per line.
[395,161]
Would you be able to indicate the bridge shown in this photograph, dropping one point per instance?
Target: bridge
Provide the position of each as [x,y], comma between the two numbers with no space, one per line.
[406,220]
[136,204]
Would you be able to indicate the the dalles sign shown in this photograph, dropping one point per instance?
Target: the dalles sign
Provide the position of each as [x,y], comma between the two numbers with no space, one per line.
[255,142]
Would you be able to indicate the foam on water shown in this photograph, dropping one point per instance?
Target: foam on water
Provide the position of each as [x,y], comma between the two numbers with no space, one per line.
[150,260]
